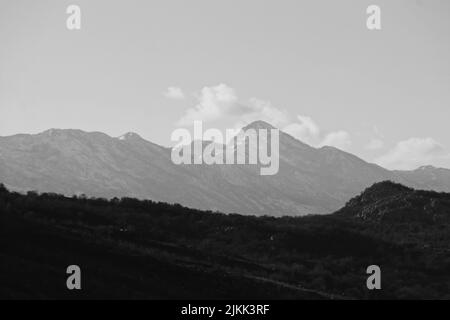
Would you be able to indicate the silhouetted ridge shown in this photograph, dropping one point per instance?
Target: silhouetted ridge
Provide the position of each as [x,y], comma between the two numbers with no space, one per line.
[383,189]
[393,202]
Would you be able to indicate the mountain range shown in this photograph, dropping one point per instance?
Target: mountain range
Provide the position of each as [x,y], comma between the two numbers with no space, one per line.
[310,180]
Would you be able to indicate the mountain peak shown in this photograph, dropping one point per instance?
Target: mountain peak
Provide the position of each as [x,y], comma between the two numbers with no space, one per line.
[259,124]
[130,136]
[51,131]
[55,132]
[426,168]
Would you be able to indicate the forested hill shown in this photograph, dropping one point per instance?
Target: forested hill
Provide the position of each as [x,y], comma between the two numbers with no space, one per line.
[128,248]
[395,203]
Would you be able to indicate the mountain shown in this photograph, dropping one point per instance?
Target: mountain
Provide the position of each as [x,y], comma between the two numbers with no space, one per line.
[309,180]
[390,202]
[427,178]
[414,218]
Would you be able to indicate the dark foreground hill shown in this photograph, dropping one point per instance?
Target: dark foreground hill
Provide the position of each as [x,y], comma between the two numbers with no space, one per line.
[394,203]
[140,249]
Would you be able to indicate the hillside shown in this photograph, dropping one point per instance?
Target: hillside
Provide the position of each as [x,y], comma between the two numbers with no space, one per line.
[141,249]
[394,203]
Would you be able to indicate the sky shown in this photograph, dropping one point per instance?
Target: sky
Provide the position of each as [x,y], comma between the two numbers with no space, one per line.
[311,68]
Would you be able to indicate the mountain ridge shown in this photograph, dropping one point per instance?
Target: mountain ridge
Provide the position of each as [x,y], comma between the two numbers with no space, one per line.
[310,180]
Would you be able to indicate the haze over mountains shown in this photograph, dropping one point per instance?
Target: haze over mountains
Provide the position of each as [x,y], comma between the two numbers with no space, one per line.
[310,180]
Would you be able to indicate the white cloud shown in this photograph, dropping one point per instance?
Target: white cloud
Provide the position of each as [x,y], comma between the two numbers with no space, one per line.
[258,109]
[213,103]
[221,102]
[339,139]
[306,130]
[375,144]
[174,93]
[413,153]
[377,132]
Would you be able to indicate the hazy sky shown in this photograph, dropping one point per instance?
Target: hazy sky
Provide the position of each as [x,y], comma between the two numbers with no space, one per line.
[309,67]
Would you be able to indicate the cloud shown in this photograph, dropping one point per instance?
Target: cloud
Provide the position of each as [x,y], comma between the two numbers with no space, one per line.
[174,93]
[378,132]
[221,102]
[413,153]
[306,130]
[339,139]
[375,144]
[257,109]
[213,103]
